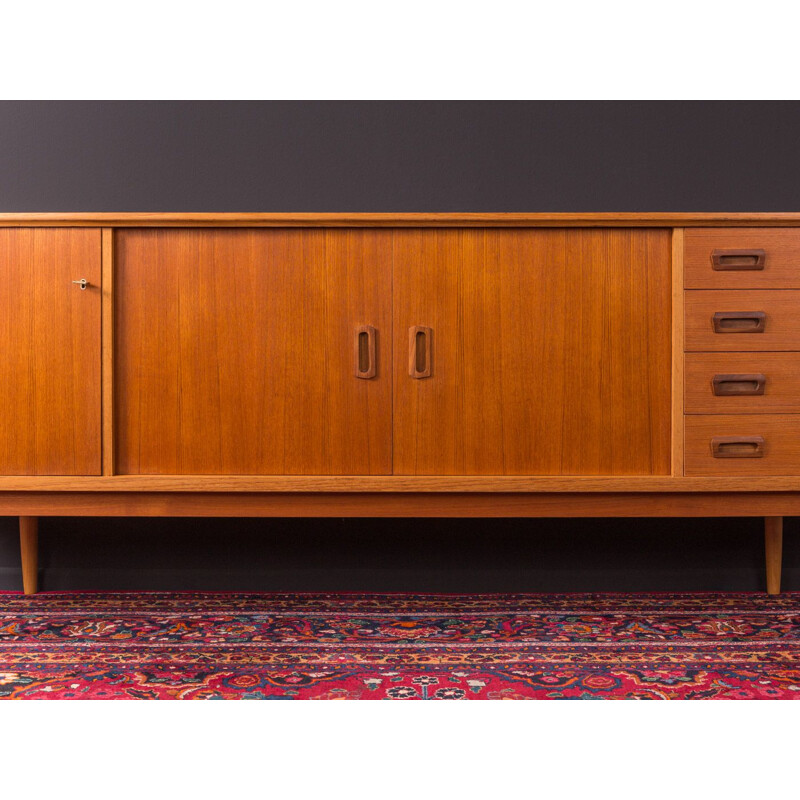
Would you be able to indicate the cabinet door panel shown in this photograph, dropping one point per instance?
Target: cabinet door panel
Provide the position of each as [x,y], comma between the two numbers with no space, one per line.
[236,351]
[49,351]
[550,352]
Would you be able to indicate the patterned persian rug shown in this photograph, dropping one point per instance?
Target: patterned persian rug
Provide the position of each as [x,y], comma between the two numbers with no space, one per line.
[402,647]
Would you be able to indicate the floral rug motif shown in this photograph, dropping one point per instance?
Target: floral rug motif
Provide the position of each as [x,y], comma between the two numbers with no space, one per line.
[157,645]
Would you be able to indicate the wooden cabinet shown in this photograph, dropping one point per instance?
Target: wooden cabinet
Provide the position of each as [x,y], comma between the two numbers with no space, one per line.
[400,365]
[49,351]
[236,352]
[549,352]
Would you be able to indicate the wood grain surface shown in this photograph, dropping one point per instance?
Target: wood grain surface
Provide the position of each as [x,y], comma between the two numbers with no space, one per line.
[388,484]
[781,434]
[49,352]
[773,550]
[107,346]
[29,553]
[727,504]
[551,352]
[235,351]
[678,375]
[781,262]
[781,390]
[781,329]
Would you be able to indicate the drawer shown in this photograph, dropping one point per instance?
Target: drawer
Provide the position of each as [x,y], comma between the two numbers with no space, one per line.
[741,258]
[742,383]
[742,444]
[727,320]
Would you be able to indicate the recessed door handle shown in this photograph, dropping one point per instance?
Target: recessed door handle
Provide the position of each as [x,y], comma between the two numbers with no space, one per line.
[739,322]
[419,351]
[366,361]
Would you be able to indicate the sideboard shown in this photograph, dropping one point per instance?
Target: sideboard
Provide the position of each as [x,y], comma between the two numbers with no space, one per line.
[400,365]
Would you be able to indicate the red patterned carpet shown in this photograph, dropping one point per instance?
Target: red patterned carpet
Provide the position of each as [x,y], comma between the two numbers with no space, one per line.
[419,647]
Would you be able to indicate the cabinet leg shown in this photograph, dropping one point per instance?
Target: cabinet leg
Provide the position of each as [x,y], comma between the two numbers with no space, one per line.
[773,545]
[29,550]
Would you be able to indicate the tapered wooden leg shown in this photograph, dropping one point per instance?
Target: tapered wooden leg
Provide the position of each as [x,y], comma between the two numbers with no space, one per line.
[773,543]
[29,549]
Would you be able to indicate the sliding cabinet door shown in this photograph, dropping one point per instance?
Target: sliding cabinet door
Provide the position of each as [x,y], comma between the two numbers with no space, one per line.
[253,351]
[542,352]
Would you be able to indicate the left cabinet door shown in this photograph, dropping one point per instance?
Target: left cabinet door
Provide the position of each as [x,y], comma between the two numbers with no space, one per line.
[50,351]
[253,351]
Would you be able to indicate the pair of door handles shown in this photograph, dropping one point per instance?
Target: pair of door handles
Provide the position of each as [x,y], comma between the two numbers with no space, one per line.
[420,340]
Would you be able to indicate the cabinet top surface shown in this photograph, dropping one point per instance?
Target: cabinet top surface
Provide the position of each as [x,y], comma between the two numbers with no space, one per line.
[413,219]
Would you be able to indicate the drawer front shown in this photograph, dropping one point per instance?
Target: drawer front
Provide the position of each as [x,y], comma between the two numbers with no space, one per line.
[731,444]
[742,383]
[736,321]
[742,258]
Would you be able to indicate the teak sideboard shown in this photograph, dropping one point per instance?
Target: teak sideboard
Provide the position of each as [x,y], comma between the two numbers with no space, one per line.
[409,365]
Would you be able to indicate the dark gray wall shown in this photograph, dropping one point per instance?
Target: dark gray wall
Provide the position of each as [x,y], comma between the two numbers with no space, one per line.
[377,156]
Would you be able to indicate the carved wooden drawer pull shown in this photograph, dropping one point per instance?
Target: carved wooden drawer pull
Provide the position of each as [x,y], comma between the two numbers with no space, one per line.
[739,322]
[738,259]
[743,385]
[737,447]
